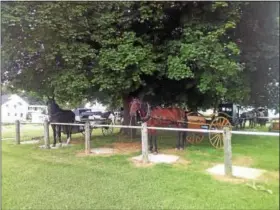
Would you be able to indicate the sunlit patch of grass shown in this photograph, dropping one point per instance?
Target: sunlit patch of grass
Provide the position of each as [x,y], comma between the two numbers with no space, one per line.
[35,178]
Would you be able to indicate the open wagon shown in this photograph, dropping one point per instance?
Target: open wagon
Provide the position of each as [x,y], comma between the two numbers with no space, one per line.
[227,116]
[81,128]
[83,115]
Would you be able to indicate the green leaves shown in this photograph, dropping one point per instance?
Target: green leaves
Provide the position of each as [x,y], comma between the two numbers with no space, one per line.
[98,49]
[177,69]
[219,4]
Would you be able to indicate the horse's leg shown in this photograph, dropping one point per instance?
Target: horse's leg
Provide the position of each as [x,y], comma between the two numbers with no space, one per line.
[59,134]
[185,139]
[68,131]
[184,134]
[155,144]
[150,143]
[54,135]
[178,141]
[181,140]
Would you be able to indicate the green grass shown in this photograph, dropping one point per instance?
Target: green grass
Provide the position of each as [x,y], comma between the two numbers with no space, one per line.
[36,131]
[33,178]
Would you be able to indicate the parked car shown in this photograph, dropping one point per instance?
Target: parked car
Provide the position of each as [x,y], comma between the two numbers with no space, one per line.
[95,115]
[82,114]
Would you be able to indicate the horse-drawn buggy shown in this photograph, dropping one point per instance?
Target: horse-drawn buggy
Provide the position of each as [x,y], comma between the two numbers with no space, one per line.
[83,115]
[78,117]
[227,116]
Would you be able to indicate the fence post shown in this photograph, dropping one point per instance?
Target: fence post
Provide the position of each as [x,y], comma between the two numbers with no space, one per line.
[17,132]
[227,151]
[144,137]
[87,137]
[46,134]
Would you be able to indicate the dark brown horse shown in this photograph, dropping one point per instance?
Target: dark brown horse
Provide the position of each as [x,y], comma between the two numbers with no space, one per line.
[159,117]
[58,115]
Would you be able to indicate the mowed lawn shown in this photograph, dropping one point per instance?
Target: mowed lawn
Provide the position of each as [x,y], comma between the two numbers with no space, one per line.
[33,178]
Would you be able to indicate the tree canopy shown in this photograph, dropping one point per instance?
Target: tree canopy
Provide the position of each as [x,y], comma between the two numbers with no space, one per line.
[167,52]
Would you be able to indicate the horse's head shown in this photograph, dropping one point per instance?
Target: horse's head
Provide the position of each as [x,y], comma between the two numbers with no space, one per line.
[52,106]
[136,108]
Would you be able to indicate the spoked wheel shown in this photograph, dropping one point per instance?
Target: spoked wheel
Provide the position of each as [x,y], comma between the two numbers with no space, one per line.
[107,130]
[216,139]
[195,138]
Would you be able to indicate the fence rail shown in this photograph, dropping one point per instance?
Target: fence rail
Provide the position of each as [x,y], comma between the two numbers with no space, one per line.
[255,133]
[227,132]
[72,124]
[193,130]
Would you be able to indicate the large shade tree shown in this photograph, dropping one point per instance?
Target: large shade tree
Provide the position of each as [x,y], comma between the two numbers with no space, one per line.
[164,52]
[259,41]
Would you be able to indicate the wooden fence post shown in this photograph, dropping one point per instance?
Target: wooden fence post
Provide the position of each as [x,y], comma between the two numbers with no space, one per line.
[227,151]
[87,138]
[46,134]
[144,137]
[17,132]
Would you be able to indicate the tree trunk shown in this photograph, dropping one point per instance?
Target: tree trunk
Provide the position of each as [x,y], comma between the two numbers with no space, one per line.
[126,118]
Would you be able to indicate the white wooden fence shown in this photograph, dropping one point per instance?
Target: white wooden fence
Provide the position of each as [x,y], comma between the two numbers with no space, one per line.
[227,133]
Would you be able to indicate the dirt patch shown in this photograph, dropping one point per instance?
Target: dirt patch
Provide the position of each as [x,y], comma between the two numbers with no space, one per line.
[76,142]
[269,175]
[266,177]
[126,148]
[182,162]
[118,148]
[173,152]
[140,164]
[83,154]
[229,179]
[242,161]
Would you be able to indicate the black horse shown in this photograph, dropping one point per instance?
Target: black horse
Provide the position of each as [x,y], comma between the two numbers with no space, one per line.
[109,115]
[58,115]
[251,116]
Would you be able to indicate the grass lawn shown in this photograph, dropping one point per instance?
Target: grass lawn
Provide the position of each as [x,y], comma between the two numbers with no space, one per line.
[33,178]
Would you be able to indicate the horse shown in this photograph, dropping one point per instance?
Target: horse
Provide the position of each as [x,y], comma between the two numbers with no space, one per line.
[251,116]
[158,116]
[261,114]
[109,115]
[58,115]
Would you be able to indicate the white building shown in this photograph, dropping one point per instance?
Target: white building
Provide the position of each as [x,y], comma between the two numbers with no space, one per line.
[38,113]
[13,108]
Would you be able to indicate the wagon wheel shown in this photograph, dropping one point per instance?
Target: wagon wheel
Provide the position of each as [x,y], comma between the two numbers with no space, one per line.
[216,139]
[107,130]
[195,138]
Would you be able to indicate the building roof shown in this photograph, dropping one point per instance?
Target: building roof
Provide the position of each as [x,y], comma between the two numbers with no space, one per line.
[4,98]
[28,100]
[33,101]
